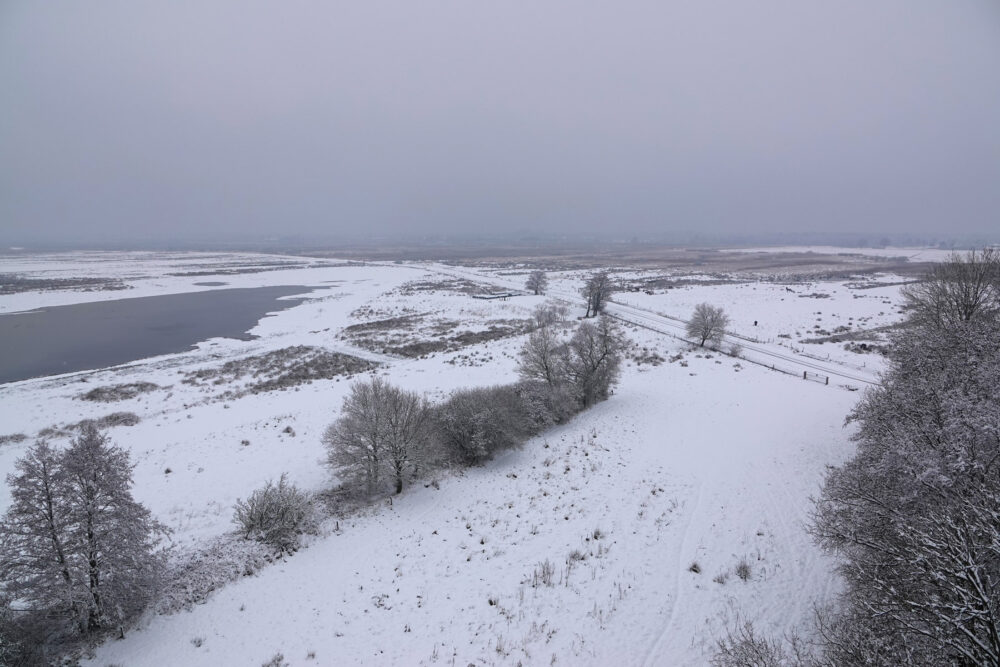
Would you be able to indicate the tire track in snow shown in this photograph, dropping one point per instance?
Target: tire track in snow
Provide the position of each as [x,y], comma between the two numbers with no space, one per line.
[654,650]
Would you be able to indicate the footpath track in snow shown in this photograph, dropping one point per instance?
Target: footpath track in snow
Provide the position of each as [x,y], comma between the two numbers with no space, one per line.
[710,463]
[654,651]
[789,362]
[680,466]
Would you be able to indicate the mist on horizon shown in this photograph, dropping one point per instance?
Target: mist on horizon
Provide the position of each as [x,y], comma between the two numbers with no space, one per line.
[128,122]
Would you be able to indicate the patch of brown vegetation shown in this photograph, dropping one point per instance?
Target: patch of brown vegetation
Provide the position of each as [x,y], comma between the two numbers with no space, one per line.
[11,283]
[279,369]
[118,392]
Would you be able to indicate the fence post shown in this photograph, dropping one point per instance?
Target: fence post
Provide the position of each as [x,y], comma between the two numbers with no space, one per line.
[828,379]
[804,374]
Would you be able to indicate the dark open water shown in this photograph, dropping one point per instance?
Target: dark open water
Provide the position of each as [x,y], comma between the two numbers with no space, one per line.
[89,336]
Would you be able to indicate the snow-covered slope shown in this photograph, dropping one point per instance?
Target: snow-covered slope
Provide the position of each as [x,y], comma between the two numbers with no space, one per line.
[688,465]
[615,539]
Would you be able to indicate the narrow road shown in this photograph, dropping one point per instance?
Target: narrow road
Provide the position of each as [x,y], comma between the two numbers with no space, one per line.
[772,356]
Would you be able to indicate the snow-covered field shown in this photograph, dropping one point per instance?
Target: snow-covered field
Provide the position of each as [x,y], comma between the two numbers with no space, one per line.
[912,254]
[643,506]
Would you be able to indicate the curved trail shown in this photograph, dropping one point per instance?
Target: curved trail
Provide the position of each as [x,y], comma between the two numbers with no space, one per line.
[650,320]
[793,362]
[653,651]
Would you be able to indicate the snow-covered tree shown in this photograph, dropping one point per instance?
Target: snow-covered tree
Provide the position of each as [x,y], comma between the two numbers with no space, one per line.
[474,424]
[958,290]
[382,432]
[356,441]
[537,282]
[114,537]
[469,425]
[74,542]
[543,357]
[549,314]
[39,559]
[707,324]
[275,514]
[407,434]
[597,291]
[916,513]
[594,356]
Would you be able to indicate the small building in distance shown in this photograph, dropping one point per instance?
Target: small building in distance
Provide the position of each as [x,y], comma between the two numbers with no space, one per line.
[502,295]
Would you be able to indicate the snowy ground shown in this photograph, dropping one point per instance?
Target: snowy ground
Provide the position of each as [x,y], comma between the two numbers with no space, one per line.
[708,460]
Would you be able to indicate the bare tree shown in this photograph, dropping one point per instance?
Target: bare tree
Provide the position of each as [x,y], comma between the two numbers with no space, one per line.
[956,291]
[549,314]
[356,441]
[382,431]
[408,422]
[597,291]
[543,357]
[745,647]
[708,323]
[594,356]
[537,282]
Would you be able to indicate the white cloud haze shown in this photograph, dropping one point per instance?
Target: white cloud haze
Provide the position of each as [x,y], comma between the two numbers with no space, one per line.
[153,120]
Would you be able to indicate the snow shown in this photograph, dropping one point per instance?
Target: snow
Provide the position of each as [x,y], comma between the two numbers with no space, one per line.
[710,460]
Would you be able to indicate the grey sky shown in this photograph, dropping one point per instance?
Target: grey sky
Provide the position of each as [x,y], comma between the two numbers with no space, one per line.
[185,118]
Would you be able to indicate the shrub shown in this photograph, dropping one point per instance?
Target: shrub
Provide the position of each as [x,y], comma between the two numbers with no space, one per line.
[195,573]
[118,419]
[746,648]
[118,392]
[474,424]
[12,438]
[276,514]
[545,405]
[277,660]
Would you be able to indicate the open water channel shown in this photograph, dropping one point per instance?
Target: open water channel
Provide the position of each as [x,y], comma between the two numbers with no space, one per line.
[88,336]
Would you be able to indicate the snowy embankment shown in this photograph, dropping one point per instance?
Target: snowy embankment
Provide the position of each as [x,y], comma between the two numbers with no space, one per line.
[703,461]
[683,465]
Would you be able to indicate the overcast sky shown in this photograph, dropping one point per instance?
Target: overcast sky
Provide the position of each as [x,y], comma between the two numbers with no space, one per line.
[153,120]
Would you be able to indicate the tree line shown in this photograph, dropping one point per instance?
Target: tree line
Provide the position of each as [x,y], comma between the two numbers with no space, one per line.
[80,557]
[386,435]
[914,516]
[78,554]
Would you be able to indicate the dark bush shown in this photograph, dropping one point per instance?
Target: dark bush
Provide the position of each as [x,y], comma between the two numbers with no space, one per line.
[474,424]
[119,392]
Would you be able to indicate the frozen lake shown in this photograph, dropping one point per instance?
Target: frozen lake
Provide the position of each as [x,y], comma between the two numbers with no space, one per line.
[87,336]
